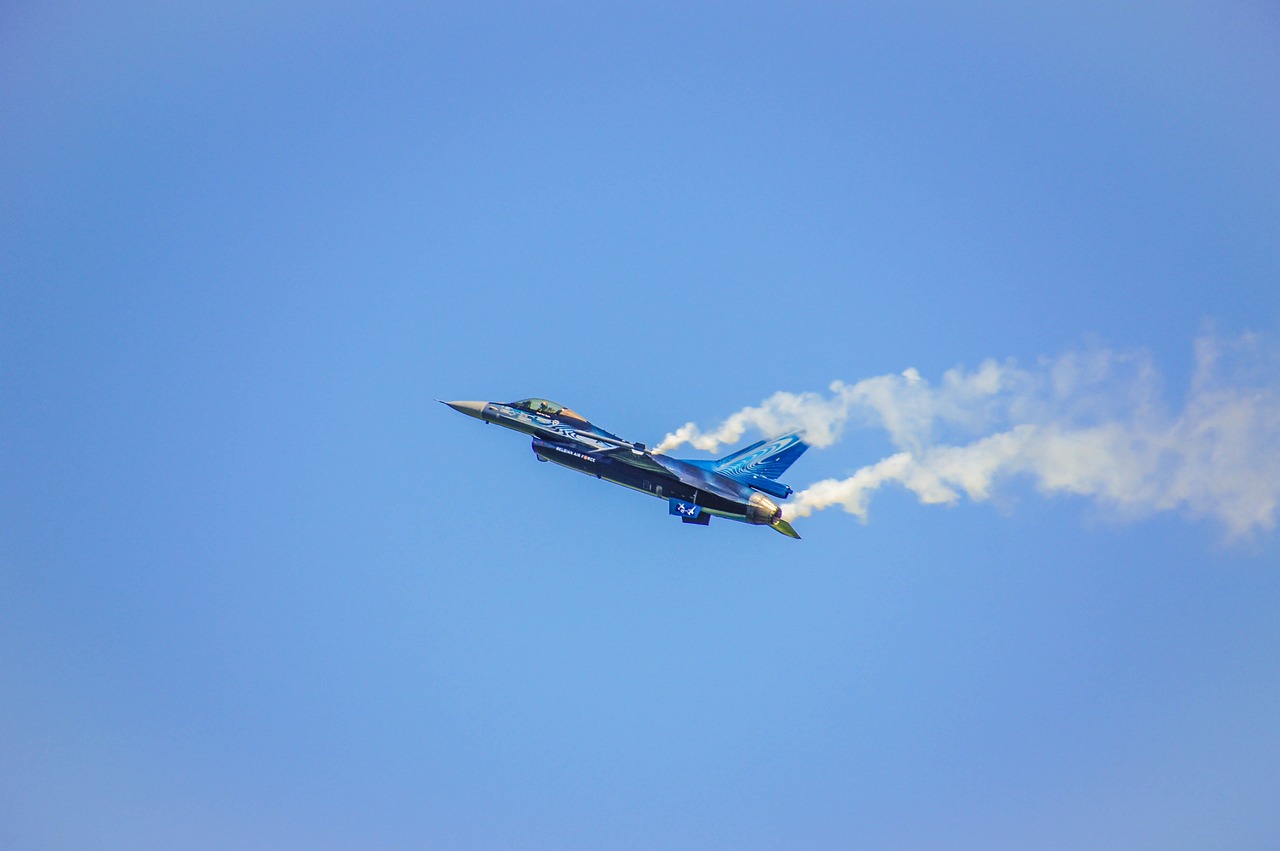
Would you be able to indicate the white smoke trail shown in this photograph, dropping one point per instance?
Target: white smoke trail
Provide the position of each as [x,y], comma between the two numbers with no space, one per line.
[1088,423]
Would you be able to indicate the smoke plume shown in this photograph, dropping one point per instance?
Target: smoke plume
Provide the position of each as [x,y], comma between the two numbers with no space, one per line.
[1092,423]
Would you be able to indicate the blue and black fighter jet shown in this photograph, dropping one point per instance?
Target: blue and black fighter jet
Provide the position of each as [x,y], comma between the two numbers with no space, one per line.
[737,486]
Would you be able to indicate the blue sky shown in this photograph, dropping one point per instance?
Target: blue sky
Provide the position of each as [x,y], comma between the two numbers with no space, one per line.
[258,590]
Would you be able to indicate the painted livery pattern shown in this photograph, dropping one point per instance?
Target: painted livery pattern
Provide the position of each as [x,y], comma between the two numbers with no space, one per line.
[768,458]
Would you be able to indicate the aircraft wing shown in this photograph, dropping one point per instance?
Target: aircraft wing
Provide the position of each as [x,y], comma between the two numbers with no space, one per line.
[628,456]
[687,473]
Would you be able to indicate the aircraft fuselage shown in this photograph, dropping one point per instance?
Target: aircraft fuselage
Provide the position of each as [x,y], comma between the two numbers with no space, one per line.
[693,489]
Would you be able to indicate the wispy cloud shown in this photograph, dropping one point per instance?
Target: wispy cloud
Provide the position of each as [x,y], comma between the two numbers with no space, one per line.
[1093,423]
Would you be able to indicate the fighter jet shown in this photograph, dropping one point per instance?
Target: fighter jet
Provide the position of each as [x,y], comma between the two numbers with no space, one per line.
[737,486]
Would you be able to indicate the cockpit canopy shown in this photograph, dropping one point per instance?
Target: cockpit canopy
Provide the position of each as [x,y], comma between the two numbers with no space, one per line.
[546,408]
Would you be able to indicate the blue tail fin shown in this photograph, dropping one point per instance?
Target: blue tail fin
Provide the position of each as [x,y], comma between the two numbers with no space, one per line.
[768,458]
[760,464]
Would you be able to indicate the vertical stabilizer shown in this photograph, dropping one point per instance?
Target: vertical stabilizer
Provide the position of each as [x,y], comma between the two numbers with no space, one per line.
[768,458]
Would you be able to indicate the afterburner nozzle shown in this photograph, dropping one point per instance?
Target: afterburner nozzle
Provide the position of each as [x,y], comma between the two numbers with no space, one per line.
[761,510]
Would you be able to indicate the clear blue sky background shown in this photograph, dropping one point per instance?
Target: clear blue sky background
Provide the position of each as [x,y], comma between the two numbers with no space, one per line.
[257,590]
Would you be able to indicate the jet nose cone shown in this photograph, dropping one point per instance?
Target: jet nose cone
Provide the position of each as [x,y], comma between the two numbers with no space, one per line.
[471,409]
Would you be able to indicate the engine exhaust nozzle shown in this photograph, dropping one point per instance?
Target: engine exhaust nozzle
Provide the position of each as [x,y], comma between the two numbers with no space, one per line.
[762,511]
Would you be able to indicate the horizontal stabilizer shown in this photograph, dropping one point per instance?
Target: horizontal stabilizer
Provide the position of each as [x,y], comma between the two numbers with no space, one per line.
[785,528]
